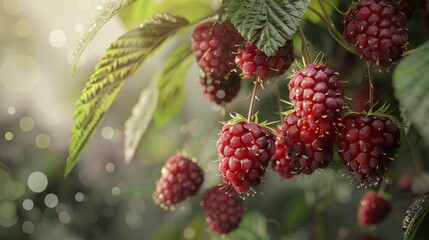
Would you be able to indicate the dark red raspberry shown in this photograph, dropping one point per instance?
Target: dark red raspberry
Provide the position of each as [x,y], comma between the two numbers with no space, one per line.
[307,150]
[245,150]
[180,178]
[372,209]
[282,163]
[367,146]
[221,90]
[255,63]
[214,45]
[376,29]
[317,95]
[408,7]
[366,236]
[223,211]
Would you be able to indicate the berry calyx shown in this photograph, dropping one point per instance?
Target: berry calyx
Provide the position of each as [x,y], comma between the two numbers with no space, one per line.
[214,45]
[282,163]
[376,29]
[372,209]
[245,150]
[367,145]
[180,178]
[221,90]
[307,150]
[317,95]
[222,210]
[255,63]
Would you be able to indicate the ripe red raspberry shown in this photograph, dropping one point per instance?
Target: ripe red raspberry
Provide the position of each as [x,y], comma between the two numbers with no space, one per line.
[221,90]
[180,178]
[255,63]
[372,209]
[214,45]
[376,29]
[367,145]
[317,95]
[245,150]
[223,211]
[282,163]
[408,7]
[307,150]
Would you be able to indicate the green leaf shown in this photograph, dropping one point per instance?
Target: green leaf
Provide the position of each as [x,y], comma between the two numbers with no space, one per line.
[266,23]
[194,10]
[171,84]
[253,226]
[106,11]
[411,85]
[414,216]
[137,124]
[120,60]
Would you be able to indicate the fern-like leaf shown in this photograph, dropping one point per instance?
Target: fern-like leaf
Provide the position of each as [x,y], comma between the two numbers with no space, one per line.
[106,11]
[120,61]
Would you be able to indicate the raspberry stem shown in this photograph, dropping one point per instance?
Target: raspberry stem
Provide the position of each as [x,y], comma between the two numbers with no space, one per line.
[279,101]
[304,45]
[371,85]
[252,99]
[382,188]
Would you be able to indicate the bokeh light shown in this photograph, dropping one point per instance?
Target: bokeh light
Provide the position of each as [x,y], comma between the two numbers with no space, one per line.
[37,182]
[20,73]
[57,38]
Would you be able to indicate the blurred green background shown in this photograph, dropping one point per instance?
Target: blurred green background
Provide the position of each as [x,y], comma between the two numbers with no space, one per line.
[104,198]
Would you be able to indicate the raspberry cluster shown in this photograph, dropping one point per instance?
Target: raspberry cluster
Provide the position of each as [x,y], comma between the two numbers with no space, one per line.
[376,29]
[214,45]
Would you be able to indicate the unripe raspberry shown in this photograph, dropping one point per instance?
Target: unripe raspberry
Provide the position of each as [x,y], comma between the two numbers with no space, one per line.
[372,209]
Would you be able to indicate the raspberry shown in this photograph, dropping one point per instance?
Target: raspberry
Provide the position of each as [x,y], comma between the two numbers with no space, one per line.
[408,7]
[221,90]
[367,145]
[317,95]
[307,150]
[180,178]
[376,29]
[222,210]
[214,44]
[245,150]
[366,236]
[255,63]
[282,163]
[372,209]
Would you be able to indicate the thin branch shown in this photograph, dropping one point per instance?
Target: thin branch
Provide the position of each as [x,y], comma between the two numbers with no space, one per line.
[252,99]
[304,46]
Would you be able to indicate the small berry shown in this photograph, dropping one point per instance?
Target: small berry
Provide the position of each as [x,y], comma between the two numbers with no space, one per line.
[180,178]
[282,163]
[245,150]
[372,209]
[221,90]
[367,145]
[223,211]
[307,150]
[376,29]
[317,95]
[214,45]
[255,63]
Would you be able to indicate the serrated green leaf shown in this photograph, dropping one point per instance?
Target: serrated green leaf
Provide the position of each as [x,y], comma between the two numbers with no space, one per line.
[171,85]
[414,216]
[120,61]
[106,11]
[194,10]
[411,85]
[266,23]
[253,226]
[136,125]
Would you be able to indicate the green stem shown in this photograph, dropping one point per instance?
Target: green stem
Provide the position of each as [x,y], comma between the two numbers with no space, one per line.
[333,30]
[304,46]
[252,100]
